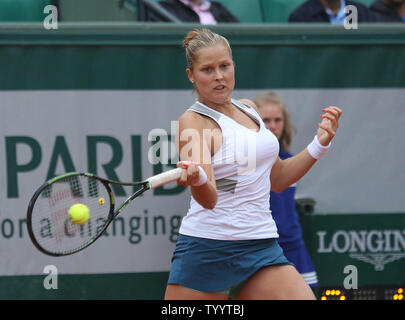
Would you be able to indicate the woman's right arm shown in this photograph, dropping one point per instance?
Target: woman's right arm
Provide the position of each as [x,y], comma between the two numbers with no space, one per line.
[194,151]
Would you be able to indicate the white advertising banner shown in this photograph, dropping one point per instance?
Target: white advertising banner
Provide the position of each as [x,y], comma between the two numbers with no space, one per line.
[110,133]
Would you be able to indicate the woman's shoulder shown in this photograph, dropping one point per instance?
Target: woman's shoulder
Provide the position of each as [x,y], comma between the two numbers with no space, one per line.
[191,119]
[189,116]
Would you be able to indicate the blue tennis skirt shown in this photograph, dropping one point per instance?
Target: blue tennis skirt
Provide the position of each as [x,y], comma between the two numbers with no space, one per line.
[210,265]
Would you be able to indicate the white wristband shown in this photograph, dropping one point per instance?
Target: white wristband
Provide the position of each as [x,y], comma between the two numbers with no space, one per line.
[316,150]
[202,178]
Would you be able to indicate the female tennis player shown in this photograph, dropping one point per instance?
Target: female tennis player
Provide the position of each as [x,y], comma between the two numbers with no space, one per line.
[227,246]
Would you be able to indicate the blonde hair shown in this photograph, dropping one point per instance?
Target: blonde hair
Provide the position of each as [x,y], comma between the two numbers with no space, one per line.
[288,129]
[197,39]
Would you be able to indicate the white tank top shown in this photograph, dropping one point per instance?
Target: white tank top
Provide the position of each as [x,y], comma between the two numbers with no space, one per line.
[242,168]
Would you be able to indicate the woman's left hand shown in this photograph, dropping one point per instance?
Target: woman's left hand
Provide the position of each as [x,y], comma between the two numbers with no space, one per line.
[329,124]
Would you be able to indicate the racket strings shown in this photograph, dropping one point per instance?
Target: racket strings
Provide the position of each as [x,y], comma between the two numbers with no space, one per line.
[52,226]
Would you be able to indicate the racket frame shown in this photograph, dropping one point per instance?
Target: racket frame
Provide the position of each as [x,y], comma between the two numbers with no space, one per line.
[145,185]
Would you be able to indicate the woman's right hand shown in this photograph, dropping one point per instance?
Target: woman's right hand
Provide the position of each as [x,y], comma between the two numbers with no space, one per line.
[191,175]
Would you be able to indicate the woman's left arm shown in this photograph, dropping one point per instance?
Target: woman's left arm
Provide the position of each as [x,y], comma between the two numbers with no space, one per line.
[286,172]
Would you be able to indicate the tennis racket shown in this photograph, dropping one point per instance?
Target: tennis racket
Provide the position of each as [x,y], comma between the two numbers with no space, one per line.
[49,225]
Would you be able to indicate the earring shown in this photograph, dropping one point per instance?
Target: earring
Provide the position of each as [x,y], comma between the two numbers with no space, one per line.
[192,81]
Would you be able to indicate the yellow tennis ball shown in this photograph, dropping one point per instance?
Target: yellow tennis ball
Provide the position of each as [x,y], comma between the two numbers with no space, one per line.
[101,201]
[79,213]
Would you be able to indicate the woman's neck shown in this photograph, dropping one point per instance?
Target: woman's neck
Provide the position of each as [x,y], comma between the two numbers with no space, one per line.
[226,105]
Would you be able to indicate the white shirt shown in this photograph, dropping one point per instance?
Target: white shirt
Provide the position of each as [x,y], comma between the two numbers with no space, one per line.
[242,168]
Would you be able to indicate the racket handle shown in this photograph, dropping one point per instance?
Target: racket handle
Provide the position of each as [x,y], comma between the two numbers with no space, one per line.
[164,178]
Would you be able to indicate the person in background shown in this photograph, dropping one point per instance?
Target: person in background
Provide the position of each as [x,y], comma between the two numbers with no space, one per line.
[332,11]
[199,11]
[389,10]
[274,113]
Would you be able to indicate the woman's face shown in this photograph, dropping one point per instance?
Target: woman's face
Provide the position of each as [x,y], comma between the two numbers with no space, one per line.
[273,118]
[213,75]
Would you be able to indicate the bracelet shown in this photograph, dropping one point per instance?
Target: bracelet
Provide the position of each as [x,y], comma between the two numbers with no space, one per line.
[202,178]
[316,150]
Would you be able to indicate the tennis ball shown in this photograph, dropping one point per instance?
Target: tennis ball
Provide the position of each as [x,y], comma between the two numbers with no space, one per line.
[79,213]
[101,201]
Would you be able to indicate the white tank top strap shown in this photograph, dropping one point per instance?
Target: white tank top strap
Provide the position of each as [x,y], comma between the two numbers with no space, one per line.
[200,108]
[251,112]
